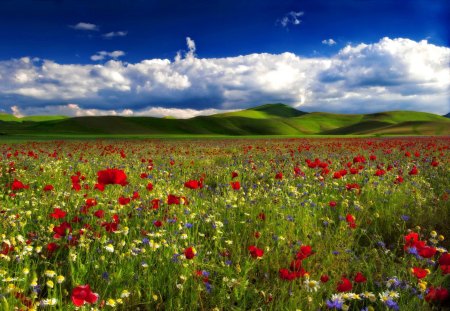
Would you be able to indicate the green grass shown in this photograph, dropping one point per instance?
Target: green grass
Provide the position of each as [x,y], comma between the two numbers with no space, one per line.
[270,119]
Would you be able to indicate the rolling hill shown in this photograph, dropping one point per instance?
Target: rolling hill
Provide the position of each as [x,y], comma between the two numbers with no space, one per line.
[269,119]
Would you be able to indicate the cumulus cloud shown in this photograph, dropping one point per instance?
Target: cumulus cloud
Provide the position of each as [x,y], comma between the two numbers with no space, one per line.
[85,26]
[113,34]
[291,18]
[101,55]
[329,42]
[391,74]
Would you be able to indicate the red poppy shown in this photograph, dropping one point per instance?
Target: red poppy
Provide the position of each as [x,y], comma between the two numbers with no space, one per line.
[360,278]
[344,285]
[155,203]
[48,187]
[444,263]
[351,221]
[189,253]
[51,247]
[436,294]
[58,213]
[419,272]
[124,201]
[255,252]
[285,274]
[112,177]
[427,251]
[305,252]
[100,187]
[234,175]
[62,230]
[157,223]
[18,185]
[173,199]
[324,278]
[99,213]
[235,185]
[332,203]
[149,186]
[82,294]
[193,184]
[279,176]
[380,172]
[413,171]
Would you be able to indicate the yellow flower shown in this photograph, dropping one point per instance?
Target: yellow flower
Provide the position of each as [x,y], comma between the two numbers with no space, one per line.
[50,283]
[60,279]
[111,302]
[50,273]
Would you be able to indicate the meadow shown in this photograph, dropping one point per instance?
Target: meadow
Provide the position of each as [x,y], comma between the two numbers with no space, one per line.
[225,224]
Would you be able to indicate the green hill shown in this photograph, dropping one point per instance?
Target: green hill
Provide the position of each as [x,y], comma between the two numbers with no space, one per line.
[269,119]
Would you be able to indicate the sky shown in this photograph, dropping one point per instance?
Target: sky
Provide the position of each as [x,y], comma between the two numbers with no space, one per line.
[195,57]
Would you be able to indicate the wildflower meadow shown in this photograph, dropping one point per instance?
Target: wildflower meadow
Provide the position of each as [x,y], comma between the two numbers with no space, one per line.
[225,224]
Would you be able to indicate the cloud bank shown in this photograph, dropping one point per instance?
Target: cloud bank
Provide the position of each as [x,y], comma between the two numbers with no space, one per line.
[392,74]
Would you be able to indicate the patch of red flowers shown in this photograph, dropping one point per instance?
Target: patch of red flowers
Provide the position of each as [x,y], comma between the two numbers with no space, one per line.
[83,294]
[112,177]
[255,251]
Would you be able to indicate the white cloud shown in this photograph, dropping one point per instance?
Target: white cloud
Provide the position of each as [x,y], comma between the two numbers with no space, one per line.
[329,42]
[113,34]
[391,74]
[291,18]
[74,110]
[103,54]
[85,26]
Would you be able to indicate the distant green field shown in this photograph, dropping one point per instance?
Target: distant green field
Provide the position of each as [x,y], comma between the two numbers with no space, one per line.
[270,119]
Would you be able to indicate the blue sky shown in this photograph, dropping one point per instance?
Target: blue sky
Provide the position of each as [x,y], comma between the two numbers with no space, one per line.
[81,57]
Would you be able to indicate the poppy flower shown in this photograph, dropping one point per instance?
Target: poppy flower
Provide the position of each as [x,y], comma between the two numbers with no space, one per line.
[18,185]
[51,247]
[99,213]
[155,203]
[157,223]
[112,177]
[332,203]
[279,176]
[427,251]
[234,175]
[100,187]
[173,199]
[58,213]
[149,186]
[62,230]
[48,188]
[305,252]
[419,272]
[193,184]
[344,285]
[436,294]
[235,185]
[444,263]
[255,252]
[324,278]
[413,171]
[124,201]
[83,294]
[360,278]
[351,221]
[287,275]
[189,252]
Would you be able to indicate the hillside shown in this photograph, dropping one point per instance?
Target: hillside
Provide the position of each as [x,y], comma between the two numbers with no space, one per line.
[269,119]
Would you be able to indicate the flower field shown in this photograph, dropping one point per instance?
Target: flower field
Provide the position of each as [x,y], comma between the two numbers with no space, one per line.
[229,224]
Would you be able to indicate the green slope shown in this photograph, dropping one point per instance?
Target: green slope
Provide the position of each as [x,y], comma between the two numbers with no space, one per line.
[271,119]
